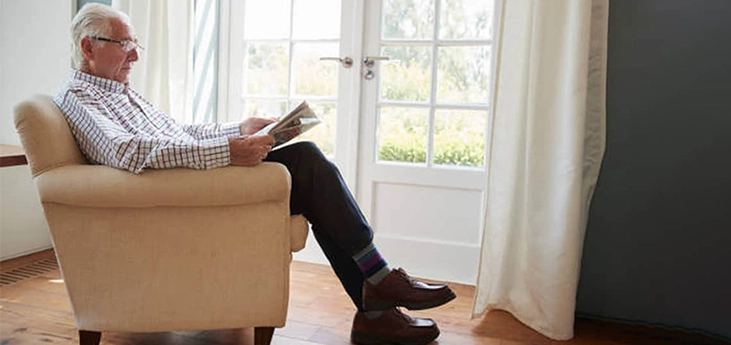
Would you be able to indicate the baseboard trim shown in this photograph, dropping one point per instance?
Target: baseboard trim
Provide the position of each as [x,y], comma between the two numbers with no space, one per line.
[22,259]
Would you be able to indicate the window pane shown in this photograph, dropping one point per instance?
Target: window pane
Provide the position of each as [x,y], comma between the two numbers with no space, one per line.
[407,19]
[316,19]
[266,19]
[313,77]
[264,108]
[324,133]
[402,134]
[463,75]
[407,76]
[266,69]
[459,137]
[466,19]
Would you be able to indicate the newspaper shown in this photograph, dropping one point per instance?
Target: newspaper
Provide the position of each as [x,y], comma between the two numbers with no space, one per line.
[289,126]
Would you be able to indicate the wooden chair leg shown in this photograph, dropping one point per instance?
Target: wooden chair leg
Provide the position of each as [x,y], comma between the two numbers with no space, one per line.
[263,335]
[89,337]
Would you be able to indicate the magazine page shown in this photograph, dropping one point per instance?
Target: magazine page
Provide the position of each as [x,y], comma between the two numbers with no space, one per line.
[291,125]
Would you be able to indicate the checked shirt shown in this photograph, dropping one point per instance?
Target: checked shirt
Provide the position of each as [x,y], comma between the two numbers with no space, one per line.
[113,125]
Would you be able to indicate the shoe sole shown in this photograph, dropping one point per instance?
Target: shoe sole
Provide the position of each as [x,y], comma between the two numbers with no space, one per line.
[375,304]
[373,339]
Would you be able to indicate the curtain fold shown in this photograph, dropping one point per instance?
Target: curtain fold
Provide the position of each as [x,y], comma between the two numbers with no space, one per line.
[547,138]
[164,72]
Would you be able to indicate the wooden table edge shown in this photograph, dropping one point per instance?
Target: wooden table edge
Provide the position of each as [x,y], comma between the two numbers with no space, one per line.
[12,155]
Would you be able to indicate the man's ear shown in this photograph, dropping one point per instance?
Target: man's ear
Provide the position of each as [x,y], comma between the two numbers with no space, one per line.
[87,47]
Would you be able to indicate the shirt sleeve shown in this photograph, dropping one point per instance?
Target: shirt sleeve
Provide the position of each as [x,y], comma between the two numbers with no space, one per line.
[104,141]
[213,130]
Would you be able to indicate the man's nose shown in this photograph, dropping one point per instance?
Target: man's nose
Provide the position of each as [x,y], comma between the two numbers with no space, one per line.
[132,55]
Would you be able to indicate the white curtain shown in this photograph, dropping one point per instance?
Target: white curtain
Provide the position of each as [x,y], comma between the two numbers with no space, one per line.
[164,72]
[546,145]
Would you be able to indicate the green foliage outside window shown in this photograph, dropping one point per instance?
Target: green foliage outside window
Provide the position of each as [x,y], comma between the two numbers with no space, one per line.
[455,152]
[458,136]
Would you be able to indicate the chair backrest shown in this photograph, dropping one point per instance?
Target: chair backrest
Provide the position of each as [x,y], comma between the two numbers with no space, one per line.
[45,135]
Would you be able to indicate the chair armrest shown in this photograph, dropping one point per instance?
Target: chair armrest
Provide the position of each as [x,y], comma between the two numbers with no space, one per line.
[102,186]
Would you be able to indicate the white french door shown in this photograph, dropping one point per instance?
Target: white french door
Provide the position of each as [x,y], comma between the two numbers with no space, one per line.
[421,172]
[406,122]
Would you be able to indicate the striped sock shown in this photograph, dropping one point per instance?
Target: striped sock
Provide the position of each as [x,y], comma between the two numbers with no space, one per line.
[372,264]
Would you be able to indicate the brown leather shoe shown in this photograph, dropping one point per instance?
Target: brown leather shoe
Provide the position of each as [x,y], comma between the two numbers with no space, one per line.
[393,327]
[397,289]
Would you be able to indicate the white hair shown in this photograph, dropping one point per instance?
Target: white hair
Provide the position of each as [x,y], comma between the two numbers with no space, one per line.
[92,20]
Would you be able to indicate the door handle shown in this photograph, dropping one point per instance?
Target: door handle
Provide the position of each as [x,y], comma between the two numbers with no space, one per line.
[369,61]
[347,62]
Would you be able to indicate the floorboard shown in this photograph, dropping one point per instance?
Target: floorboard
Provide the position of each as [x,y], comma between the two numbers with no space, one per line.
[37,311]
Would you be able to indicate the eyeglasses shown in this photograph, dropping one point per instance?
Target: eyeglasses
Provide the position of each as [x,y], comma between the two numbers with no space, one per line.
[126,44]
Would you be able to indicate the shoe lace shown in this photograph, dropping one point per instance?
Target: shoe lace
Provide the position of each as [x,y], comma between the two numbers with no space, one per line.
[403,316]
[400,271]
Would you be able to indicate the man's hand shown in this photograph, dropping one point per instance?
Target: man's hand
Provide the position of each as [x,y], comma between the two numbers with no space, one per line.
[250,150]
[254,124]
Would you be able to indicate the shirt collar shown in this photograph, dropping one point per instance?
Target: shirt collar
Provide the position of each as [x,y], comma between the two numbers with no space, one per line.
[103,83]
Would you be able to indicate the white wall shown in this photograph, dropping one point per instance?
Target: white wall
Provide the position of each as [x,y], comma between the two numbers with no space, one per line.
[34,58]
[23,229]
[34,53]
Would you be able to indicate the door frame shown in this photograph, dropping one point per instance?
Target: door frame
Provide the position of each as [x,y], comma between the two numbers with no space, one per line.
[348,132]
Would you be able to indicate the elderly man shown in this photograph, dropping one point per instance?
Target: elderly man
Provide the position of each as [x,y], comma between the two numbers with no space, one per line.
[115,126]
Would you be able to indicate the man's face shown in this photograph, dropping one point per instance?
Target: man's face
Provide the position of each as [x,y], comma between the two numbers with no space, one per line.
[109,60]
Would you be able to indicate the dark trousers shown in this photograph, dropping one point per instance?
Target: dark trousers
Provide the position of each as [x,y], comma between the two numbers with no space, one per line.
[320,194]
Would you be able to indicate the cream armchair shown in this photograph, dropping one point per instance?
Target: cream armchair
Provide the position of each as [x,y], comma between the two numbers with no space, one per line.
[166,250]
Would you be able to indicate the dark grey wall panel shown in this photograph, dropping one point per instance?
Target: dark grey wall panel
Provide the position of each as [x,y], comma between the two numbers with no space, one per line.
[658,240]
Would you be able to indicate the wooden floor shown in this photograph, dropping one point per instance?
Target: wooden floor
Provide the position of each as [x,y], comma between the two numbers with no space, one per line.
[37,311]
